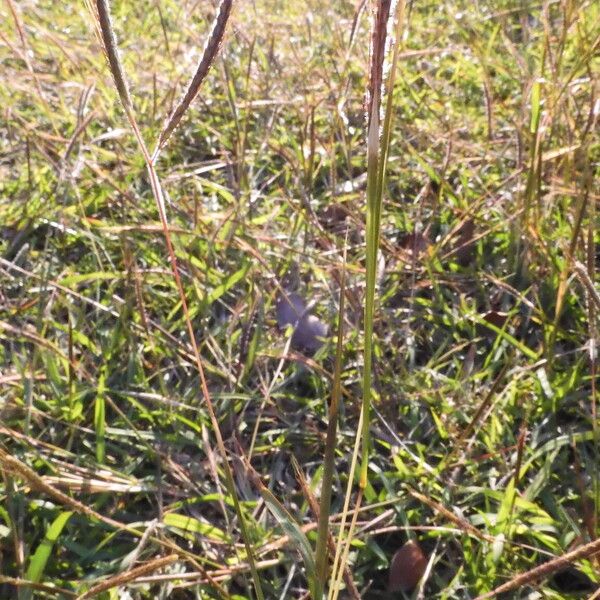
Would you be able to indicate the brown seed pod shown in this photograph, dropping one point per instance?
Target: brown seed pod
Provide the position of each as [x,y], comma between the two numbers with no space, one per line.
[407,567]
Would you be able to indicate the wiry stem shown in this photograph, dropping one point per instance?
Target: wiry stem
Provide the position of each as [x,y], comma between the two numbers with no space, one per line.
[375,173]
[109,41]
[329,458]
[545,570]
[208,55]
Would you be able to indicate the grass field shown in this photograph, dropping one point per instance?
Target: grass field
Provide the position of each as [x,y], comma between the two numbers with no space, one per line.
[139,462]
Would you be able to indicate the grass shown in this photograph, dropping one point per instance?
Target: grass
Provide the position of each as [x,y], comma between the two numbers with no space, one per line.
[117,475]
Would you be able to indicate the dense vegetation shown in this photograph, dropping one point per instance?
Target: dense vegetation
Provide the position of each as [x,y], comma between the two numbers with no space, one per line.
[485,446]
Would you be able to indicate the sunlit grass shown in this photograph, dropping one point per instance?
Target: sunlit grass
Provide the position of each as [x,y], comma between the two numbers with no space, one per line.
[466,303]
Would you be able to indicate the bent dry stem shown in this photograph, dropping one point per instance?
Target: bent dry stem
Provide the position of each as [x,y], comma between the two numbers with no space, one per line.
[110,46]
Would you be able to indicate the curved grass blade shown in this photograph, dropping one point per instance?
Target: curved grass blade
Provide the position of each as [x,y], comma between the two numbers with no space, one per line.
[291,529]
[41,555]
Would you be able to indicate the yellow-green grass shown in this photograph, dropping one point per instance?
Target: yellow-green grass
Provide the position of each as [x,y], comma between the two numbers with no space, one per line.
[483,420]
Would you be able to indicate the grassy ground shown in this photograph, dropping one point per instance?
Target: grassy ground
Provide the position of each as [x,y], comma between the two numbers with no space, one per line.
[484,429]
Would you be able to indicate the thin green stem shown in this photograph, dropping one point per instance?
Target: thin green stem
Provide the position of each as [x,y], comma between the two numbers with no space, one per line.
[330,445]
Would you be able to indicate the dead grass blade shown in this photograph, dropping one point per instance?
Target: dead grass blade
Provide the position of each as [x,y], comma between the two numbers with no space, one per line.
[552,566]
[24,583]
[131,575]
[16,467]
[459,522]
[25,54]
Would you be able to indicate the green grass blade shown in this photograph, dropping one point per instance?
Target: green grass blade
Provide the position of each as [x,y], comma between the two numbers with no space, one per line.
[193,527]
[372,241]
[100,417]
[296,535]
[40,557]
[520,346]
[377,153]
[330,445]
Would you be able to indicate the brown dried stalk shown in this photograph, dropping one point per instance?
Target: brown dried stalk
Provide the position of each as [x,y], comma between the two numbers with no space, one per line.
[552,566]
[109,42]
[584,277]
[378,42]
[462,524]
[208,56]
[14,466]
[24,583]
[25,54]
[123,578]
